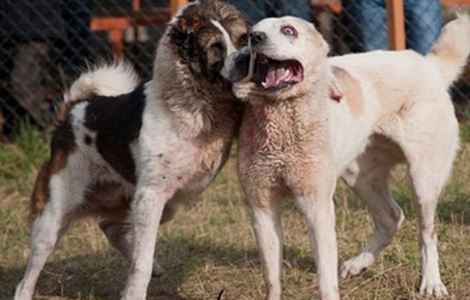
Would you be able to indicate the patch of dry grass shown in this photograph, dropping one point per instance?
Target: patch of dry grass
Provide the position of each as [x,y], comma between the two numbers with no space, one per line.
[210,247]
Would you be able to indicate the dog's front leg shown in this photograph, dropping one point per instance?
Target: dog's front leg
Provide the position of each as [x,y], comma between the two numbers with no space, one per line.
[318,209]
[268,230]
[147,207]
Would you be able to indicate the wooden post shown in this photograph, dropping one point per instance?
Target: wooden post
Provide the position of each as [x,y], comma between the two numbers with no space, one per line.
[117,36]
[396,25]
[175,5]
[136,5]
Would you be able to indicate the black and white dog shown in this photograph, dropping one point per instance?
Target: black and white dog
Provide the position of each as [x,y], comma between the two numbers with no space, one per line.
[129,152]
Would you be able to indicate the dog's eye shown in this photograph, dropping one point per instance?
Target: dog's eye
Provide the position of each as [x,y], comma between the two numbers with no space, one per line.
[289,30]
[217,48]
[243,40]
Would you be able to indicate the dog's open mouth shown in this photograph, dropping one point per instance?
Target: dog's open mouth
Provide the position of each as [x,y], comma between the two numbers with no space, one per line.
[274,74]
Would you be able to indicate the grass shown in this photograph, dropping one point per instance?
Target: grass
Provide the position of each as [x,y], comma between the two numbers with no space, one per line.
[210,245]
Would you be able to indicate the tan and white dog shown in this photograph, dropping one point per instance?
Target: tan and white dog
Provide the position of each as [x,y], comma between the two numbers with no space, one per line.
[130,153]
[297,138]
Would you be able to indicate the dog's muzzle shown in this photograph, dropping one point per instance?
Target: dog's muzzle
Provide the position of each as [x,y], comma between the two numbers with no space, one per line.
[239,66]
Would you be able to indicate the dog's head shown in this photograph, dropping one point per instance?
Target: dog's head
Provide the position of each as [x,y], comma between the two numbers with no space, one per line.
[286,54]
[204,34]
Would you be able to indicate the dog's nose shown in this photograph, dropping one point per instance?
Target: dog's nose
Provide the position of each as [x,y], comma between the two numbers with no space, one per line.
[257,37]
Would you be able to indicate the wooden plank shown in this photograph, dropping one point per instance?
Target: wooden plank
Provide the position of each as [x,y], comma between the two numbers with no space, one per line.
[116,24]
[117,36]
[109,23]
[396,25]
[136,5]
[175,5]
[333,6]
[455,2]
[157,16]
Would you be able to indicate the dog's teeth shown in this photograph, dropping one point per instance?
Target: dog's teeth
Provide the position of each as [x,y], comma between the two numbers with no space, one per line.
[285,75]
[288,78]
[280,73]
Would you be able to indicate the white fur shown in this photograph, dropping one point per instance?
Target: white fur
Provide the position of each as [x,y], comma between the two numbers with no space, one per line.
[450,65]
[106,80]
[228,41]
[66,195]
[230,50]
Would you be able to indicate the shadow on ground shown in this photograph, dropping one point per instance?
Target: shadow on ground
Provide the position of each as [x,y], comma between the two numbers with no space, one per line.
[103,275]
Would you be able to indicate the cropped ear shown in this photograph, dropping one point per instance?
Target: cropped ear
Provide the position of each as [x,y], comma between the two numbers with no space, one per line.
[184,42]
[335,91]
[183,36]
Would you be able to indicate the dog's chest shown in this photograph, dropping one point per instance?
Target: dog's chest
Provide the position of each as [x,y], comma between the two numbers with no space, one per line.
[183,165]
[209,157]
[277,129]
[274,143]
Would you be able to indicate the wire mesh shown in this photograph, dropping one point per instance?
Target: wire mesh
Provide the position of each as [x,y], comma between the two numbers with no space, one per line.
[44,44]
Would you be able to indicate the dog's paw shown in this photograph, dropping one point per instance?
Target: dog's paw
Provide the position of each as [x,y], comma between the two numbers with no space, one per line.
[157,271]
[433,287]
[356,264]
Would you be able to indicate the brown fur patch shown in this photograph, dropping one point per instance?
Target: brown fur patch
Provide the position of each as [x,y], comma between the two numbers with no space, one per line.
[108,199]
[40,195]
[62,145]
[352,90]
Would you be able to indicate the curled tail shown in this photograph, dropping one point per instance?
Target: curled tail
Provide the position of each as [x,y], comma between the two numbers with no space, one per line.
[451,50]
[112,79]
[109,79]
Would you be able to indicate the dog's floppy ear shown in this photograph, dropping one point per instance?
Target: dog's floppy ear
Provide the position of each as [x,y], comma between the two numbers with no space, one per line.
[183,36]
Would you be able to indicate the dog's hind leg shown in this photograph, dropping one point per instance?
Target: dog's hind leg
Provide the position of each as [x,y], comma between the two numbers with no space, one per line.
[117,233]
[428,136]
[430,146]
[368,177]
[65,195]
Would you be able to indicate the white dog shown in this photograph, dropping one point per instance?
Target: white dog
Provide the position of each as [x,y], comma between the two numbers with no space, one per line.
[297,138]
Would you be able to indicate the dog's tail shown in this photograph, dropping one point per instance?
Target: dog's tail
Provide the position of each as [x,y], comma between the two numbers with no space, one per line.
[450,52]
[106,79]
[109,79]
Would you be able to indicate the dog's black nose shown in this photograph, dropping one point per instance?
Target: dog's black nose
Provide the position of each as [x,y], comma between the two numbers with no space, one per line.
[257,37]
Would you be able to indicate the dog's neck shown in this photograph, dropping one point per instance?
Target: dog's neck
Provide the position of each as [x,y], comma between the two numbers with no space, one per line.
[196,105]
[286,123]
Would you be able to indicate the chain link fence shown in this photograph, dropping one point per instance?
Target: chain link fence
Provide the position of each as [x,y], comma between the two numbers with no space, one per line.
[45,44]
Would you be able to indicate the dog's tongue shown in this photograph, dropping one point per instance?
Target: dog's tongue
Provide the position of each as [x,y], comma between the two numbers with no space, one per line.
[277,76]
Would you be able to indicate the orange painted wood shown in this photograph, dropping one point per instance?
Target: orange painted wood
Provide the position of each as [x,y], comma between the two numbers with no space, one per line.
[158,16]
[455,2]
[115,25]
[109,23]
[116,37]
[136,5]
[175,5]
[396,25]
